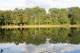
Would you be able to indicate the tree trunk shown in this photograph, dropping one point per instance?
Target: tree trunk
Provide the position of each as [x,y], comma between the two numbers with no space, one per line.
[10,23]
[14,24]
[17,23]
[47,23]
[63,23]
[35,32]
[39,28]
[39,23]
[35,20]
[5,22]
[47,28]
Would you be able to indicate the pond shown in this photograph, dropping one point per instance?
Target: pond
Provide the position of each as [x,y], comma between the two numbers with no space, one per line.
[40,40]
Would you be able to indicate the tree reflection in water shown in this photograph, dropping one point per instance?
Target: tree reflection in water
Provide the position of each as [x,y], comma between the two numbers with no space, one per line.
[1,50]
[38,36]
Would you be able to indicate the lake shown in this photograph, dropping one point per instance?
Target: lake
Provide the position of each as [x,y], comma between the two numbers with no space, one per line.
[40,40]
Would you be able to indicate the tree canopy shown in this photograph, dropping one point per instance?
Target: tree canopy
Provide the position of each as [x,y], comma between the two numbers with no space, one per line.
[38,16]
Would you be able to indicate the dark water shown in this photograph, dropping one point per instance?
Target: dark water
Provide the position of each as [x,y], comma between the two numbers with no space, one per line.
[40,40]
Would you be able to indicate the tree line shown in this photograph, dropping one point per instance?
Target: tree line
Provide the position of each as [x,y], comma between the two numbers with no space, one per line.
[38,16]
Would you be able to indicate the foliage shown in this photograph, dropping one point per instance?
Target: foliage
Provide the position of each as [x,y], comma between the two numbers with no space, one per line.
[39,36]
[74,15]
[38,16]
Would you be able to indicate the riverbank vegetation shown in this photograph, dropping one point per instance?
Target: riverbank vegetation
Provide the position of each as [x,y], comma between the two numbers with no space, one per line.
[38,16]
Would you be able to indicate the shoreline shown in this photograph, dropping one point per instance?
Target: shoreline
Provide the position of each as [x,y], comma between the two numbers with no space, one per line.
[37,26]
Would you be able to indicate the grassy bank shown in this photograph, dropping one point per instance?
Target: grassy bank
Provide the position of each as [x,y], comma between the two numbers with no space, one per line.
[43,26]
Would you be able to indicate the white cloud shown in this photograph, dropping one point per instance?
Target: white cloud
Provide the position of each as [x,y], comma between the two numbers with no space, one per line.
[45,47]
[11,4]
[35,49]
[20,3]
[65,0]
[50,3]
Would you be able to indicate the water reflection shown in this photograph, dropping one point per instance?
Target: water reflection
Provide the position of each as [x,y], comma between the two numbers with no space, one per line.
[47,47]
[34,40]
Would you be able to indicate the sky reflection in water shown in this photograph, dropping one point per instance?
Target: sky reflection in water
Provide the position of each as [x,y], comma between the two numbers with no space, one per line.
[45,48]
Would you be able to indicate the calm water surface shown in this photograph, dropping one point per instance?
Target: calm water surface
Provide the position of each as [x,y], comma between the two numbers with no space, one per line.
[40,40]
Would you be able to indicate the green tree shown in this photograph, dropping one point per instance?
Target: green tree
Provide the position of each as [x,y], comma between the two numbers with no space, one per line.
[1,17]
[7,18]
[54,12]
[48,18]
[17,16]
[24,18]
[63,19]
[74,15]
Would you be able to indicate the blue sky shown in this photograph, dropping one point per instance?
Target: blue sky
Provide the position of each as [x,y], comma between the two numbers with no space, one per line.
[11,4]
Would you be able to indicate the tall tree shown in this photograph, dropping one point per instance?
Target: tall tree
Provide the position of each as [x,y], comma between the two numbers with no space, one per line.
[24,18]
[7,17]
[1,17]
[63,19]
[55,14]
[17,16]
[74,15]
